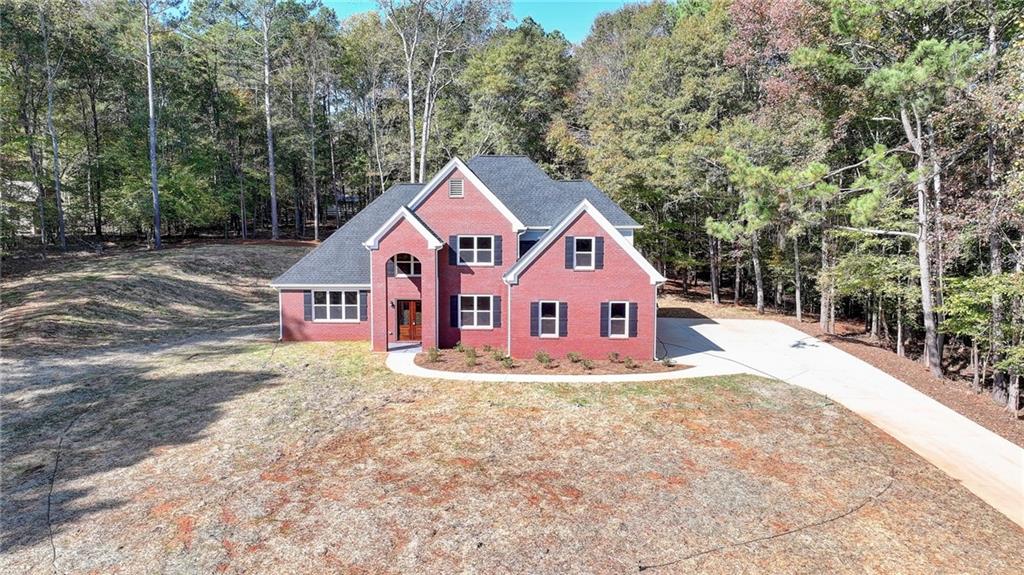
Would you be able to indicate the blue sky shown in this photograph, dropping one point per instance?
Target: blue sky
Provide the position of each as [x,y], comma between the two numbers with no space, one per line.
[572,17]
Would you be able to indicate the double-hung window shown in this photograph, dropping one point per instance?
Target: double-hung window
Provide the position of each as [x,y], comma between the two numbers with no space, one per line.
[584,250]
[549,319]
[476,250]
[335,306]
[406,265]
[618,319]
[475,311]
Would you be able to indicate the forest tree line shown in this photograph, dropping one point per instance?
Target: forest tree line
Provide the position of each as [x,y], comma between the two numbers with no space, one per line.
[848,158]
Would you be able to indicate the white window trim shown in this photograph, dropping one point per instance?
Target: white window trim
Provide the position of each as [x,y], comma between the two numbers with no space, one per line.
[475,250]
[625,333]
[592,252]
[462,188]
[328,306]
[412,265]
[558,319]
[476,312]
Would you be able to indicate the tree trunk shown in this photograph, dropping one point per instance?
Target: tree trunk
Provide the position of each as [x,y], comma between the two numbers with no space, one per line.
[737,280]
[312,164]
[758,275]
[272,171]
[713,247]
[152,128]
[98,197]
[913,133]
[900,349]
[241,185]
[50,78]
[876,310]
[796,281]
[824,288]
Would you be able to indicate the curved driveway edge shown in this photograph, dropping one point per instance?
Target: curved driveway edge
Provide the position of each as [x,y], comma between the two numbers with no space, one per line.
[987,464]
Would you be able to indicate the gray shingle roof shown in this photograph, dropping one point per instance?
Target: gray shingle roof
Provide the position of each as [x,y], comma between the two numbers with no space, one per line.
[534,198]
[342,258]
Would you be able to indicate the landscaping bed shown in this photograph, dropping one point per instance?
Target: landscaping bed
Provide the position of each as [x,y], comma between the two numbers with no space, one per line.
[490,360]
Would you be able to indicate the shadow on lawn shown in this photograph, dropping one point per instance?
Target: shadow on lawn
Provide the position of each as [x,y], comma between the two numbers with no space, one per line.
[99,418]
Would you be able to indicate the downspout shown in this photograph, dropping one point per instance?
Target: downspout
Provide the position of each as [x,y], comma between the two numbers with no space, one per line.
[371,301]
[656,286]
[280,317]
[437,300]
[508,323]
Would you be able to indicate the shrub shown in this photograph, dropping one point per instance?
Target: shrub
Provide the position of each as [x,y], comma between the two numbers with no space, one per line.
[433,354]
[507,362]
[458,346]
[629,363]
[614,357]
[587,364]
[574,357]
[498,355]
[487,348]
[542,358]
[470,356]
[667,362]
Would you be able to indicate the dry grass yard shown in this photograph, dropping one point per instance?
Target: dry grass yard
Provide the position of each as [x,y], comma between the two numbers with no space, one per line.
[152,424]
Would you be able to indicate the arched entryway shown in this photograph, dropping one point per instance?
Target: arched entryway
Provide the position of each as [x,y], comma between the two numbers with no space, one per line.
[407,269]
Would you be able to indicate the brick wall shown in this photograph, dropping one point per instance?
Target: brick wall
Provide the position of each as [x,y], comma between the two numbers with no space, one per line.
[621,279]
[470,215]
[295,328]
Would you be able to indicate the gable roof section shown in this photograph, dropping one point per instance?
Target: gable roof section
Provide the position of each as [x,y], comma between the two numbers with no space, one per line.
[341,259]
[403,213]
[511,277]
[457,164]
[537,199]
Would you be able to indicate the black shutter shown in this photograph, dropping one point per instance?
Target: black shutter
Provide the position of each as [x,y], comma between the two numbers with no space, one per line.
[390,268]
[570,252]
[307,305]
[453,242]
[497,250]
[604,319]
[363,296]
[599,252]
[632,319]
[496,310]
[563,319]
[453,310]
[534,319]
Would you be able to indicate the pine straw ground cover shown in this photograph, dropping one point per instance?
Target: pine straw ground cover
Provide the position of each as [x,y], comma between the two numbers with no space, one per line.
[486,360]
[217,450]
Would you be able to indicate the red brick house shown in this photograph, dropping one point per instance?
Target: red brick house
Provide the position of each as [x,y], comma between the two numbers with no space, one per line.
[489,252]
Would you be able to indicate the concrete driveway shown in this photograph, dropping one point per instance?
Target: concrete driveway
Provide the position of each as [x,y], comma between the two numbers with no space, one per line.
[988,465]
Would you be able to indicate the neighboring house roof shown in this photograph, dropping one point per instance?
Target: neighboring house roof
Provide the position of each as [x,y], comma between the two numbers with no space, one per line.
[535,198]
[517,186]
[513,273]
[342,259]
[403,213]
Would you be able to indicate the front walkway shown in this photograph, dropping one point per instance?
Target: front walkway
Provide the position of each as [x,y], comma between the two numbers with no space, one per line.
[988,465]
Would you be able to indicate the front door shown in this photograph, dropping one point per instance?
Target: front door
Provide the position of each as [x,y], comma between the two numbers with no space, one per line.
[410,318]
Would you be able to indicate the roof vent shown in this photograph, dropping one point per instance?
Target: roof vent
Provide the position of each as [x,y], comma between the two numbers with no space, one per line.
[455,189]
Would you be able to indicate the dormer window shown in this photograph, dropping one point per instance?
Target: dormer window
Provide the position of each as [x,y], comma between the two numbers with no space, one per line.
[455,188]
[584,250]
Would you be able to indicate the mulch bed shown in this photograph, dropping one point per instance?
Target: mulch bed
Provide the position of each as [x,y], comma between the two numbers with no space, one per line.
[455,360]
[851,338]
